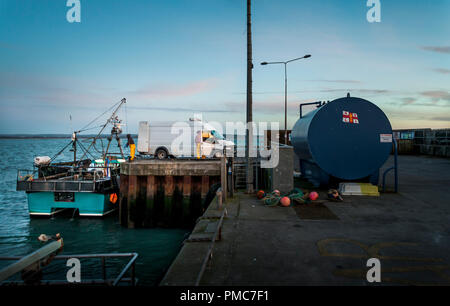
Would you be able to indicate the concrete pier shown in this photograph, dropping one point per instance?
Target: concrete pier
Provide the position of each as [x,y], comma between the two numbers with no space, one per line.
[168,193]
[408,232]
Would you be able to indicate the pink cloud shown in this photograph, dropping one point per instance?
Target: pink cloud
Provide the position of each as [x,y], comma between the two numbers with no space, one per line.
[408,101]
[164,90]
[437,95]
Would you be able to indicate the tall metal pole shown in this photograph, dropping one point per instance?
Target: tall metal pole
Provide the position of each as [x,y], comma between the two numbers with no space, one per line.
[285,103]
[249,138]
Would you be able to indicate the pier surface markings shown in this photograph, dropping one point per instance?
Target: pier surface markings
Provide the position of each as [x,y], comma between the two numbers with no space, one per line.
[373,251]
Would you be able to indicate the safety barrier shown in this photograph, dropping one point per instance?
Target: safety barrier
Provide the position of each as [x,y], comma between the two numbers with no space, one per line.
[217,235]
[104,281]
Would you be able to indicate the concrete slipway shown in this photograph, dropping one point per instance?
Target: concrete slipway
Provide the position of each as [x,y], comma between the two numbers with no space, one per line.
[409,232]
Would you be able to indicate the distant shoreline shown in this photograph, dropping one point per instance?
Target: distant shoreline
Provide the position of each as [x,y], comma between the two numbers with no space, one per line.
[68,136]
[54,136]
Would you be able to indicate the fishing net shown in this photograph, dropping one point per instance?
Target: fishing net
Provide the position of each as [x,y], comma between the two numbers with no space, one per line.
[272,199]
[296,194]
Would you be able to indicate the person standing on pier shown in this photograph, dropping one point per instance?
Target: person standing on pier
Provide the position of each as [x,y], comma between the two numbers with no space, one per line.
[198,143]
[132,146]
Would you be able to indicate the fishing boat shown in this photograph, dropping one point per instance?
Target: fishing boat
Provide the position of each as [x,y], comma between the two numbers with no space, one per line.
[88,184]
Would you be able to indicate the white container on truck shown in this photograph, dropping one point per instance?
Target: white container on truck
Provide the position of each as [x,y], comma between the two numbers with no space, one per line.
[192,138]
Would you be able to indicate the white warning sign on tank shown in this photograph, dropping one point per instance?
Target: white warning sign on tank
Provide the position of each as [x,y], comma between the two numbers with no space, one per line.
[385,137]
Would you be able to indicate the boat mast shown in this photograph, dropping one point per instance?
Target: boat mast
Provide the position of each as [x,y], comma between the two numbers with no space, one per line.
[104,126]
[74,146]
[115,132]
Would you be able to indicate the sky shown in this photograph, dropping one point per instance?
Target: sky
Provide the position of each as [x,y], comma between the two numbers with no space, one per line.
[172,59]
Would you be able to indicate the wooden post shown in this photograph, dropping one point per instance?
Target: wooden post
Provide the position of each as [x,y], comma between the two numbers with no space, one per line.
[168,185]
[150,193]
[132,188]
[178,202]
[168,197]
[150,199]
[123,203]
[205,185]
[187,185]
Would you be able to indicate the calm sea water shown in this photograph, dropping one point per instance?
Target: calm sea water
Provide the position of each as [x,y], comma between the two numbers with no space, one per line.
[18,233]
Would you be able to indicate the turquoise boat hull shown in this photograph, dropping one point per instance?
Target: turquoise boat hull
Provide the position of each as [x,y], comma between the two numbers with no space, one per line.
[89,204]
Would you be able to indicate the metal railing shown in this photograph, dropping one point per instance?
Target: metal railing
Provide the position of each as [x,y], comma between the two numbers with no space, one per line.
[25,174]
[130,266]
[209,253]
[395,168]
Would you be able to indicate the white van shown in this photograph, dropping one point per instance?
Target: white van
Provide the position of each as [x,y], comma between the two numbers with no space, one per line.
[164,139]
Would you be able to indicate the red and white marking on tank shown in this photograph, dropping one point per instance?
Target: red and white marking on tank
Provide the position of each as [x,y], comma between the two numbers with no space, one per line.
[348,117]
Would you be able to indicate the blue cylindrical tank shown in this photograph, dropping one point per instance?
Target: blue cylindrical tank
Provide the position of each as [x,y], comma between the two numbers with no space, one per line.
[349,138]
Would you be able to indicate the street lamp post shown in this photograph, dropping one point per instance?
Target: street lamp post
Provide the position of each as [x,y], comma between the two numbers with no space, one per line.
[285,88]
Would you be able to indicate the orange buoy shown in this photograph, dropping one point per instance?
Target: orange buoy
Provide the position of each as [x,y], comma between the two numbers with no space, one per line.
[260,194]
[113,198]
[277,192]
[313,195]
[285,201]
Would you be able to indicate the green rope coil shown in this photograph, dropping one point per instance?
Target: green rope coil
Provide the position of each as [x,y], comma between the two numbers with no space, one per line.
[272,200]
